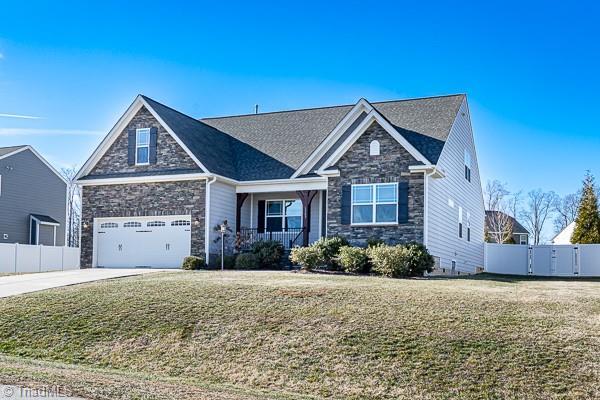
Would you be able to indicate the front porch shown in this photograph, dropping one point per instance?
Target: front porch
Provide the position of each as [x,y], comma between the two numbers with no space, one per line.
[293,218]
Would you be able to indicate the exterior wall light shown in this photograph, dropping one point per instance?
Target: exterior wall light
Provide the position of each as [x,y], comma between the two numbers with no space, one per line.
[196,222]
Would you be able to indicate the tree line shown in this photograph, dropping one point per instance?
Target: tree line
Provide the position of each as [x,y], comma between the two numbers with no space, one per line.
[538,208]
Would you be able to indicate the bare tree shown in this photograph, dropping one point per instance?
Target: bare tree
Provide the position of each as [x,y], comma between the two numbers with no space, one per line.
[499,224]
[73,206]
[540,206]
[566,211]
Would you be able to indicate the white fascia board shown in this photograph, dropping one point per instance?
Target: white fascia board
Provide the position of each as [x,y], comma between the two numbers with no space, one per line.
[168,129]
[143,179]
[288,185]
[110,138]
[362,106]
[373,116]
[430,169]
[14,152]
[329,172]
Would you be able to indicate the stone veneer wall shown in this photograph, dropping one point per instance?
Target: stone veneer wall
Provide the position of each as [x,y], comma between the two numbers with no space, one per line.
[169,155]
[357,166]
[143,199]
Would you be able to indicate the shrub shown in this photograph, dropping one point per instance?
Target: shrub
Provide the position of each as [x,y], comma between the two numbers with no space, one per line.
[308,258]
[229,261]
[247,261]
[387,260]
[330,249]
[269,253]
[192,262]
[411,259]
[374,241]
[417,259]
[353,259]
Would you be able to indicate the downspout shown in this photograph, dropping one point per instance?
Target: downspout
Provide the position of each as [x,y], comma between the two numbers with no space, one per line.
[207,219]
[426,207]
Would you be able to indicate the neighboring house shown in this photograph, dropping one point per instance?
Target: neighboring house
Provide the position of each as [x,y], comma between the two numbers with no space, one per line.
[519,234]
[402,171]
[564,236]
[33,199]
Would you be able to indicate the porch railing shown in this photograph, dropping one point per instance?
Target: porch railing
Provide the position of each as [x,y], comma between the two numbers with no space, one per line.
[288,238]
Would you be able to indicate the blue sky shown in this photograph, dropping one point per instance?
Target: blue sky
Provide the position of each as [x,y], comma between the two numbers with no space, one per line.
[531,71]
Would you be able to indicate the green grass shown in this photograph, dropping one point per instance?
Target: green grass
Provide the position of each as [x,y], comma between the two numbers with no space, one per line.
[256,335]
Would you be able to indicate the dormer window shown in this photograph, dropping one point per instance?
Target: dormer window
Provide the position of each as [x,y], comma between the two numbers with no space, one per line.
[142,146]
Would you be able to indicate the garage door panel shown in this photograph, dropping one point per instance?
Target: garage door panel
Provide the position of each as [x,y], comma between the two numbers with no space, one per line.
[158,242]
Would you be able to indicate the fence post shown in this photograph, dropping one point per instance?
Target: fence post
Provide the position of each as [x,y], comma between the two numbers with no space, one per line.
[40,262]
[62,262]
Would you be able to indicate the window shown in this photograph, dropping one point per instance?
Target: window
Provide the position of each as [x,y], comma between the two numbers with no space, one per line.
[523,239]
[467,165]
[460,222]
[180,222]
[283,215]
[155,223]
[132,225]
[142,146]
[468,227]
[374,148]
[375,203]
[108,225]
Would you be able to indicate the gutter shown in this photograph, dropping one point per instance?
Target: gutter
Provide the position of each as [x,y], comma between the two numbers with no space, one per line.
[207,218]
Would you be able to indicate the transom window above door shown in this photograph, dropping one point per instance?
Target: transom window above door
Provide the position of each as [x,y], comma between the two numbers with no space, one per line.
[142,146]
[283,215]
[375,203]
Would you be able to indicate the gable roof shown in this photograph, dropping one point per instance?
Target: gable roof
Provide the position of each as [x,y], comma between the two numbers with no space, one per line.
[274,145]
[8,150]
[517,227]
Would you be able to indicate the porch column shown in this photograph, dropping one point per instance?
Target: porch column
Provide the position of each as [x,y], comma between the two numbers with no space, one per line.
[306,197]
[240,198]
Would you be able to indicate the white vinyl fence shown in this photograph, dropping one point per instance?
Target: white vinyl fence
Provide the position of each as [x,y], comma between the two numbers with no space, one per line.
[543,260]
[19,258]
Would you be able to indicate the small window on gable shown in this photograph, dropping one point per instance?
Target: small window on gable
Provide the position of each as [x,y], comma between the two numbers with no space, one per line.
[467,165]
[132,225]
[142,146]
[374,148]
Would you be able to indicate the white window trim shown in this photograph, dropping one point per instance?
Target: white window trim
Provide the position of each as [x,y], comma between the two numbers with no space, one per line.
[373,203]
[283,215]
[138,146]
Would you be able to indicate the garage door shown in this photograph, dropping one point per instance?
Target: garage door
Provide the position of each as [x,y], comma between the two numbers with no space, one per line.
[157,242]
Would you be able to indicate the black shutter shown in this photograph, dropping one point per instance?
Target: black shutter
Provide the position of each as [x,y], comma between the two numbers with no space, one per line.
[346,204]
[152,147]
[402,202]
[260,225]
[131,147]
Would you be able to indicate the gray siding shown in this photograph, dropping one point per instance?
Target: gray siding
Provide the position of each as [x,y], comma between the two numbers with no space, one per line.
[29,187]
[47,235]
[222,207]
[442,232]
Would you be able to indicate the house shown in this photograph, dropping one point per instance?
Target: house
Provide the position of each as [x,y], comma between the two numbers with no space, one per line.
[518,233]
[402,171]
[564,236]
[33,199]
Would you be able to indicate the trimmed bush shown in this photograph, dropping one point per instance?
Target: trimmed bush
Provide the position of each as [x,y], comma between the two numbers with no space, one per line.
[353,259]
[387,260]
[247,261]
[192,262]
[411,259]
[417,259]
[269,253]
[330,249]
[308,258]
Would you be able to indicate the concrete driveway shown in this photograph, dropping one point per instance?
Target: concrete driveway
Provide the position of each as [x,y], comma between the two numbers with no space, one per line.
[27,283]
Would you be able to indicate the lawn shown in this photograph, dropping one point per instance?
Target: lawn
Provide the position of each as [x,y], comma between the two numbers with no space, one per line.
[283,335]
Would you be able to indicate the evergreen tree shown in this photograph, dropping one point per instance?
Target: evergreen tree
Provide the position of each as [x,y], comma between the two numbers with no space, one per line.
[587,223]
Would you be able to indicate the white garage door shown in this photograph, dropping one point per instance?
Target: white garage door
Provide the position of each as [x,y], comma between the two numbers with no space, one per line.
[158,242]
